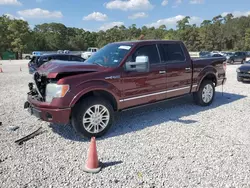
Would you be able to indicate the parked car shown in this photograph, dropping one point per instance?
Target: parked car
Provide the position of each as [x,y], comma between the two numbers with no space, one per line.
[213,55]
[237,57]
[121,76]
[248,56]
[89,52]
[203,53]
[243,72]
[37,61]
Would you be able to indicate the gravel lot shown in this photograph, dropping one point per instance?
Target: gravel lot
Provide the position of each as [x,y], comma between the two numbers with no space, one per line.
[174,144]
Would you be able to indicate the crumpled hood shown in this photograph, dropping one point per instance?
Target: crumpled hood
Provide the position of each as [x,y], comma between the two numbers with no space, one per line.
[52,68]
[245,67]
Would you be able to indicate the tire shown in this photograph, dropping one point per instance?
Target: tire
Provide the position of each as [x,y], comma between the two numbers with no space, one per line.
[80,111]
[231,61]
[199,97]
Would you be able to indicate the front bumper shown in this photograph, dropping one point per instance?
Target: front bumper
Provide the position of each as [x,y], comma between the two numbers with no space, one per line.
[53,115]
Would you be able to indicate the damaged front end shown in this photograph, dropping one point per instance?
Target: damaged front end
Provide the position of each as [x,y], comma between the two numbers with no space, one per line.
[37,88]
[39,100]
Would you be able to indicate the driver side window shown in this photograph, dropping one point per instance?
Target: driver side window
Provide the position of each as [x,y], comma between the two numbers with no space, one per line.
[147,50]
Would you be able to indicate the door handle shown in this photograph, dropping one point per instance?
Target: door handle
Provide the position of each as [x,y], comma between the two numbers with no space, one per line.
[162,72]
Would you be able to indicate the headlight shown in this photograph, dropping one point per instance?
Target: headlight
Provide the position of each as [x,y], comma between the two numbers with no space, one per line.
[238,70]
[55,91]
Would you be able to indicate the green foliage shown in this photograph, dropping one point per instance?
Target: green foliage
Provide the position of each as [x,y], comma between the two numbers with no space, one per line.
[220,33]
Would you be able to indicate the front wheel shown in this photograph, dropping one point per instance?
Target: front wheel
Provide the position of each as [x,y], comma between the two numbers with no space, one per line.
[205,95]
[92,117]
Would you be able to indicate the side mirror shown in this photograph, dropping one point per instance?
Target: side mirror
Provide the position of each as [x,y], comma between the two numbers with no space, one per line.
[141,64]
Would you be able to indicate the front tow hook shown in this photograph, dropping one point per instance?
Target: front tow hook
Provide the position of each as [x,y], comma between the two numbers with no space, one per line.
[26,105]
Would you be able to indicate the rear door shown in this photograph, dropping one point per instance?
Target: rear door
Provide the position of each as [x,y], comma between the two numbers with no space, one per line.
[76,58]
[62,57]
[140,88]
[178,67]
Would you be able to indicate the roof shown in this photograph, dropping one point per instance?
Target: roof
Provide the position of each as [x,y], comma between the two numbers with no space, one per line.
[62,54]
[147,41]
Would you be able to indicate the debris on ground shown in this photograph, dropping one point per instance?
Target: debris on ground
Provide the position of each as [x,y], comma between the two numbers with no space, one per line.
[30,136]
[13,128]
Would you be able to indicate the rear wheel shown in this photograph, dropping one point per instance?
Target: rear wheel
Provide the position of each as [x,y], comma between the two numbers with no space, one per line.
[92,117]
[231,61]
[205,95]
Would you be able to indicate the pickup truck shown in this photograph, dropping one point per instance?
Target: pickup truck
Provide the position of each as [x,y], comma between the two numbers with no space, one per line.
[89,52]
[120,76]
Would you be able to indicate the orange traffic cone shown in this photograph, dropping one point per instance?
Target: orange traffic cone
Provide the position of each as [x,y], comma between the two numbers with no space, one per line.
[92,164]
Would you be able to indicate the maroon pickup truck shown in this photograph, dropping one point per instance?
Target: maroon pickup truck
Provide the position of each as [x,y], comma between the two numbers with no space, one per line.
[120,76]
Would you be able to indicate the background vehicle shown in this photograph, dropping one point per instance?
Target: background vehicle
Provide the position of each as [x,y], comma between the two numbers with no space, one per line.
[89,52]
[37,61]
[212,55]
[237,57]
[243,72]
[120,76]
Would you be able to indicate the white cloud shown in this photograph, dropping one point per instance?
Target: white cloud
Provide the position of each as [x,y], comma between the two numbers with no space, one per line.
[138,15]
[236,14]
[172,21]
[177,3]
[10,2]
[40,13]
[196,1]
[12,17]
[129,5]
[97,16]
[164,2]
[110,25]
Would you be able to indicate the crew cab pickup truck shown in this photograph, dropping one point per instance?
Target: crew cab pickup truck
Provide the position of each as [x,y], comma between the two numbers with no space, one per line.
[120,76]
[89,52]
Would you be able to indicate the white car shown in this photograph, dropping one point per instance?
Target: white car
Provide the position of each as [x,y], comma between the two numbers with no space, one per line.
[90,51]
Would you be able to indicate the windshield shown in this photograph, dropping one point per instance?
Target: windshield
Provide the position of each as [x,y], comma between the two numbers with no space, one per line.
[110,55]
[34,59]
[89,50]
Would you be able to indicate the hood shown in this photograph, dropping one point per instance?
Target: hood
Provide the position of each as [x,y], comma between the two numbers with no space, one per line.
[53,68]
[245,67]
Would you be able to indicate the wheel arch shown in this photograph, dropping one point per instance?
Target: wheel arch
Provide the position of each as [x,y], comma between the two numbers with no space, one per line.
[102,93]
[211,75]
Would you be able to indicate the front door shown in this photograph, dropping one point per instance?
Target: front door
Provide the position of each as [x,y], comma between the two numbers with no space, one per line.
[179,69]
[140,88]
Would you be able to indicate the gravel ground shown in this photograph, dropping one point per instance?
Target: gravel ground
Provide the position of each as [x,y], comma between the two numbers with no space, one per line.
[174,144]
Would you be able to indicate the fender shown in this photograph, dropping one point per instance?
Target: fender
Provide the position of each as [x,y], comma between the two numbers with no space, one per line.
[95,85]
[206,71]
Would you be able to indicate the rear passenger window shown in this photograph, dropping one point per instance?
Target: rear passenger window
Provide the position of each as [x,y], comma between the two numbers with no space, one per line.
[75,58]
[173,52]
[148,50]
[63,57]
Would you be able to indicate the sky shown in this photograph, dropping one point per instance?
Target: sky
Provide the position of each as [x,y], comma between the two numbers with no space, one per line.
[95,15]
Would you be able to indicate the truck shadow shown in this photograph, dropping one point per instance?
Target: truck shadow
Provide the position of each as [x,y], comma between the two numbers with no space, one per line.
[176,110]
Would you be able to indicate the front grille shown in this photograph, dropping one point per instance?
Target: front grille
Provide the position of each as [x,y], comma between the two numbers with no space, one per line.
[244,74]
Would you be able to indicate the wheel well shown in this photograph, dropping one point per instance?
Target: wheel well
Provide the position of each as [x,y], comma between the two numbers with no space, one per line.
[102,94]
[211,77]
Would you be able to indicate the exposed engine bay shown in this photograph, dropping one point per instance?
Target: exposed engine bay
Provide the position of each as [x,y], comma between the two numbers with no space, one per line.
[38,87]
